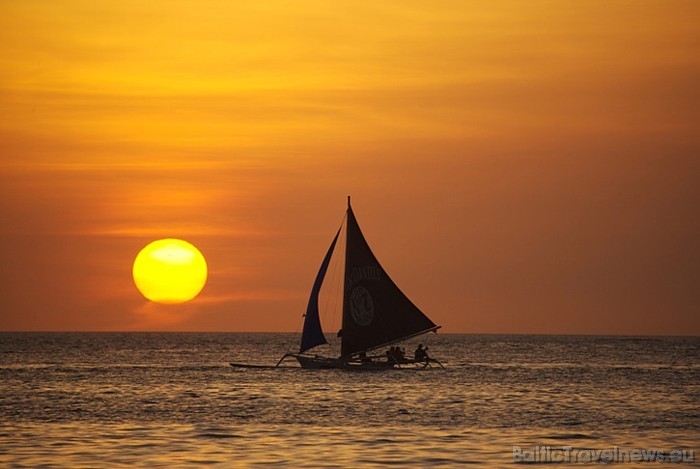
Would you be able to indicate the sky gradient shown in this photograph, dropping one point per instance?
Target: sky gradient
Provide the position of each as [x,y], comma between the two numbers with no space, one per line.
[517,167]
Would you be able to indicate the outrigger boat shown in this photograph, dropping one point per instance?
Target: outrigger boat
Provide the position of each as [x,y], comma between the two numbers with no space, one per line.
[376,313]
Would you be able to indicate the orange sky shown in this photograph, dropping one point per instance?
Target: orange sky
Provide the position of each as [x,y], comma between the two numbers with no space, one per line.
[517,167]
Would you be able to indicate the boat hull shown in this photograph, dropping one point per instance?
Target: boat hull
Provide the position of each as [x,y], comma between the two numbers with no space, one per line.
[318,363]
[315,362]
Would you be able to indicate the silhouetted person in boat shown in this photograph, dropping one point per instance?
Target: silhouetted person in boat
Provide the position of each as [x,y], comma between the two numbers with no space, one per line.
[421,354]
[394,355]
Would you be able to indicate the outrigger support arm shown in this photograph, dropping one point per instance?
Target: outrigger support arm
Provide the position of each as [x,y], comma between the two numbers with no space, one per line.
[282,359]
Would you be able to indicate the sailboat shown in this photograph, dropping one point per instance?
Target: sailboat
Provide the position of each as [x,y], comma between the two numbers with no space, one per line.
[376,313]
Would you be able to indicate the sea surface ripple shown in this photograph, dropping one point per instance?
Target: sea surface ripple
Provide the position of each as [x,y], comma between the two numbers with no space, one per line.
[172,400]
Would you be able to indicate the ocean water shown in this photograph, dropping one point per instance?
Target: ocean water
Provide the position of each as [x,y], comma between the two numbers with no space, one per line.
[172,400]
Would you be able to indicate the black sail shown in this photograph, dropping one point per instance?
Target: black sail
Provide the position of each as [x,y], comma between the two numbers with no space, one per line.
[312,334]
[375,311]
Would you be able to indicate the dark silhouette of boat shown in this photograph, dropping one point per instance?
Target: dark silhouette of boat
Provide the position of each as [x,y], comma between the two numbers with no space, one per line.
[376,314]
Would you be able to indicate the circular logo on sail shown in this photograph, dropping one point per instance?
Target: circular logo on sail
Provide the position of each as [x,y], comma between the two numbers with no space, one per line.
[361,306]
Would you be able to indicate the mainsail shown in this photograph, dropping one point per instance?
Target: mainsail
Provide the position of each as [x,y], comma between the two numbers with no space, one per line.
[312,334]
[375,311]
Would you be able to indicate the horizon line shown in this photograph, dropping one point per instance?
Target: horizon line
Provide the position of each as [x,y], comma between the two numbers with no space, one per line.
[697,336]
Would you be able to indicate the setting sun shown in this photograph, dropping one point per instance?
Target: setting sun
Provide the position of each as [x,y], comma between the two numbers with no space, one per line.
[170,271]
